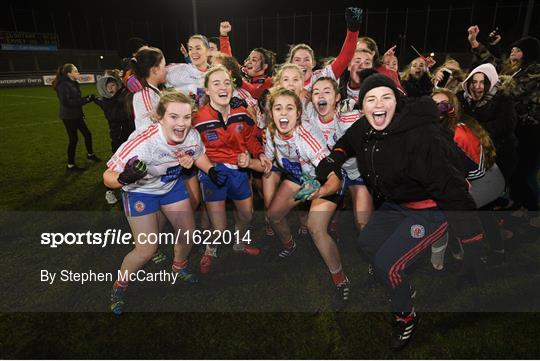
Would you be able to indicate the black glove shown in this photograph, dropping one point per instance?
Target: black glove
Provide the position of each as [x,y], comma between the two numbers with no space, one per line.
[473,268]
[237,103]
[332,163]
[134,170]
[217,177]
[353,17]
[90,98]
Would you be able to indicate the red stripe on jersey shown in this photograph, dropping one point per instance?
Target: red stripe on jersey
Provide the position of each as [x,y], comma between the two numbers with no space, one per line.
[313,143]
[150,131]
[243,94]
[148,102]
[144,98]
[303,135]
[349,118]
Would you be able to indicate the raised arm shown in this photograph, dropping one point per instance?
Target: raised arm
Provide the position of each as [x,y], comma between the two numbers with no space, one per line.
[224,41]
[353,17]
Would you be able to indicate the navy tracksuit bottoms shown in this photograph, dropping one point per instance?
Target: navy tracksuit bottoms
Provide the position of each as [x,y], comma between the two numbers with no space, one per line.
[393,239]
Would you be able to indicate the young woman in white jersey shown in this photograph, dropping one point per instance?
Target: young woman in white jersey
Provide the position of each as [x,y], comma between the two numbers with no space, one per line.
[333,125]
[189,78]
[296,149]
[290,76]
[147,167]
[148,64]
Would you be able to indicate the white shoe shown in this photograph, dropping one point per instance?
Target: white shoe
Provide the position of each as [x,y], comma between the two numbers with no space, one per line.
[110,197]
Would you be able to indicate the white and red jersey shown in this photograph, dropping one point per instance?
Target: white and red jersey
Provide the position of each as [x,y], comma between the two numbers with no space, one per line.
[253,104]
[144,106]
[227,137]
[334,129]
[324,72]
[299,153]
[186,78]
[161,158]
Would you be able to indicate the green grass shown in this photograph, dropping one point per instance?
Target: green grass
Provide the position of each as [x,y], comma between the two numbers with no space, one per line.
[33,148]
[33,142]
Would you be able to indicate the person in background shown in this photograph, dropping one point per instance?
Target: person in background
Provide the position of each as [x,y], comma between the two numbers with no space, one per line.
[71,102]
[304,56]
[485,100]
[416,79]
[455,78]
[525,91]
[368,44]
[487,181]
[112,102]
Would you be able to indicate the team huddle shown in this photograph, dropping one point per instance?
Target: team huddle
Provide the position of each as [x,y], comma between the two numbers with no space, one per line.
[212,131]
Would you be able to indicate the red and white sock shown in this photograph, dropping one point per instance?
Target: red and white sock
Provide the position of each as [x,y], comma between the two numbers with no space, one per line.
[338,276]
[179,265]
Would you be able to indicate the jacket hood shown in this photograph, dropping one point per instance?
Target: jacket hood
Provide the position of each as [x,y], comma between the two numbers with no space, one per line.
[489,71]
[101,85]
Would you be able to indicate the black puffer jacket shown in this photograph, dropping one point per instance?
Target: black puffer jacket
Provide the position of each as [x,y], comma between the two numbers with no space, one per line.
[71,100]
[413,159]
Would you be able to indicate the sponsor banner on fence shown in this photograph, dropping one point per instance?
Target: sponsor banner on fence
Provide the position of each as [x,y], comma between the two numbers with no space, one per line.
[39,80]
[20,81]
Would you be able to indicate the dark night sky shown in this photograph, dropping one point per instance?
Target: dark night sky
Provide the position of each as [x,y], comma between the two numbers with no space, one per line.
[167,22]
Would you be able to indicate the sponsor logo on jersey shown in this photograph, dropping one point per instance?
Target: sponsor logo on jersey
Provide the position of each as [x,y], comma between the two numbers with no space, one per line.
[417,231]
[211,135]
[293,168]
[173,173]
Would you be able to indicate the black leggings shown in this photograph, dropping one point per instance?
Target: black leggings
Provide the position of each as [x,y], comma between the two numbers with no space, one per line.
[72,125]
